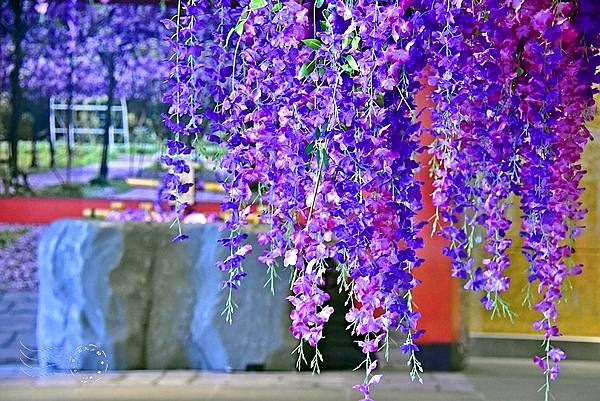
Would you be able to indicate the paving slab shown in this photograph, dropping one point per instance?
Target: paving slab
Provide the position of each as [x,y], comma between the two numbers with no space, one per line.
[508,379]
[223,391]
[177,377]
[117,169]
[132,378]
[246,386]
[486,379]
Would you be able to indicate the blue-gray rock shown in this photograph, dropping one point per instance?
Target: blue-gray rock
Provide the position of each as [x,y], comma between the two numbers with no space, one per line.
[190,295]
[152,304]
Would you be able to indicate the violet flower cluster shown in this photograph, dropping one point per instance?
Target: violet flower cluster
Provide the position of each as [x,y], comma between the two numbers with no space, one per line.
[317,116]
[158,215]
[513,90]
[195,83]
[314,104]
[19,269]
[476,160]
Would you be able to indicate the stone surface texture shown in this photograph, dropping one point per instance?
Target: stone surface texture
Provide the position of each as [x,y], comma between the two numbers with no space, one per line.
[151,304]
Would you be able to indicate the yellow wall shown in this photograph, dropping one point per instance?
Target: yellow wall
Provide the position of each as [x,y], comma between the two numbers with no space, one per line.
[579,314]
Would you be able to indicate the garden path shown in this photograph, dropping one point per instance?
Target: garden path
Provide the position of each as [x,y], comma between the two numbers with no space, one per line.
[119,168]
[486,379]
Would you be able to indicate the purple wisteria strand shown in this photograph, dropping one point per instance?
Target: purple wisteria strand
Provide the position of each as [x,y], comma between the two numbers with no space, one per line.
[517,80]
[198,95]
[451,171]
[375,226]
[200,68]
[475,165]
[314,105]
[556,101]
[320,123]
[239,129]
[186,36]
[489,134]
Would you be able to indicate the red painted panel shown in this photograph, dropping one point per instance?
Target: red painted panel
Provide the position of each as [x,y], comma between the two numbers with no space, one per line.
[438,296]
[24,210]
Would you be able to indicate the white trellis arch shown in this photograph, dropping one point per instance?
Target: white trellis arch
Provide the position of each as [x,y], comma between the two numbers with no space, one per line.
[73,129]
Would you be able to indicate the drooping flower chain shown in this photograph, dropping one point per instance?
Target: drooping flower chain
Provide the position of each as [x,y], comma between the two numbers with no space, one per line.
[557,104]
[195,83]
[475,165]
[318,122]
[521,105]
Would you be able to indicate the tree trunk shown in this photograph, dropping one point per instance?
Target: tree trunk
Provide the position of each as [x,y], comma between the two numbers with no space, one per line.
[16,92]
[52,152]
[110,64]
[70,118]
[34,159]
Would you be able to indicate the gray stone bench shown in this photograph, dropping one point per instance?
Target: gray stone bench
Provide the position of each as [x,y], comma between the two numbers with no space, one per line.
[151,304]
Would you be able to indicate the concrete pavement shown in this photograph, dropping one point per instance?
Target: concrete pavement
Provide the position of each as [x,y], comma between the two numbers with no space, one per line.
[188,386]
[486,379]
[503,379]
[119,168]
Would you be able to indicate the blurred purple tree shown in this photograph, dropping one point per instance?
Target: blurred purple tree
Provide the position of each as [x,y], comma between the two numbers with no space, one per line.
[78,49]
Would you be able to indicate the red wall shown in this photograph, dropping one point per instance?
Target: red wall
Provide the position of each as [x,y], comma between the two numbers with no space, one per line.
[23,210]
[438,296]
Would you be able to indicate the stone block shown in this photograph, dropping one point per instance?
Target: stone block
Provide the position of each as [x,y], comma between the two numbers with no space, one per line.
[152,304]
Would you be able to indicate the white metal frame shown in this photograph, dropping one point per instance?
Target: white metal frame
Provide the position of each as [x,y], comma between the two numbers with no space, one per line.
[72,130]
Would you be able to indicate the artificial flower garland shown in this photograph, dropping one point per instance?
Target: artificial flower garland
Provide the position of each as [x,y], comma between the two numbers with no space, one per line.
[516,130]
[315,105]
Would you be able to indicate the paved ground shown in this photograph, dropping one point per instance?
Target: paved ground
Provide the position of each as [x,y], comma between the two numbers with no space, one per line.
[189,385]
[502,379]
[486,379]
[149,194]
[117,169]
[17,323]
